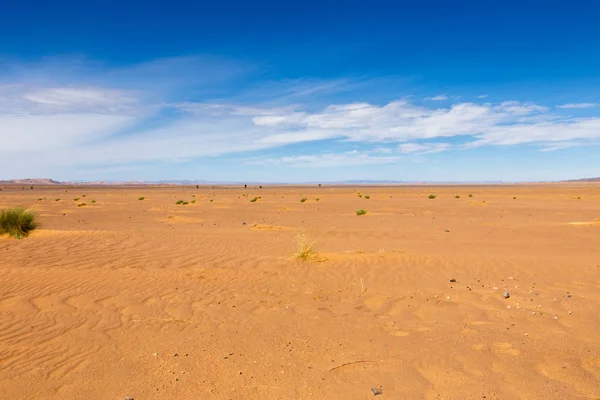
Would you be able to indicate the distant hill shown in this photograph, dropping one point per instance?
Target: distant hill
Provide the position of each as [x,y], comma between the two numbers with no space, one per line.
[33,181]
[584,180]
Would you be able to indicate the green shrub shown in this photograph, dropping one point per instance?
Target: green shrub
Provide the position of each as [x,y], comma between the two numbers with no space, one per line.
[254,200]
[458,197]
[76,199]
[40,199]
[81,204]
[179,202]
[302,200]
[185,203]
[361,212]
[470,195]
[211,200]
[317,199]
[514,198]
[17,222]
[367,197]
[193,201]
[56,199]
[93,201]
[141,198]
[431,196]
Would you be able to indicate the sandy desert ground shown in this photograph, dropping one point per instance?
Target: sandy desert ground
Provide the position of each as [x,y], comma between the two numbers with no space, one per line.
[151,300]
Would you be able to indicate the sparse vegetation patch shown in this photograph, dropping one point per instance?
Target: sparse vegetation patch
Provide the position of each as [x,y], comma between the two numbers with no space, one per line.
[361,212]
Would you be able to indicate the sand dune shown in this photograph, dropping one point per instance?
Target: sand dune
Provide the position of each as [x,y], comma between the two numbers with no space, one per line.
[153,300]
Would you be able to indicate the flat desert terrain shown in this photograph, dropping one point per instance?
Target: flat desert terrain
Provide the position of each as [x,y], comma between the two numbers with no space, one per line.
[147,299]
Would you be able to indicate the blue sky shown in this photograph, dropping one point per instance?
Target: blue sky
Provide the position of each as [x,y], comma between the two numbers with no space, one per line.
[300,91]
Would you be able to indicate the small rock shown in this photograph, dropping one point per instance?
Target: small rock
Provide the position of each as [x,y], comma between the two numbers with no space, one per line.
[243,223]
[446,230]
[506,295]
[128,398]
[453,280]
[377,391]
[175,355]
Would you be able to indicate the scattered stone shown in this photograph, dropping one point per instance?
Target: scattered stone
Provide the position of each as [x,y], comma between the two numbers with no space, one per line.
[243,223]
[175,355]
[453,280]
[506,295]
[377,391]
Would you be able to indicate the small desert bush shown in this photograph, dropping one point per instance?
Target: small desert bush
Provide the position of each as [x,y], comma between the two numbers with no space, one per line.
[76,199]
[211,200]
[367,197]
[431,196]
[141,198]
[56,199]
[317,199]
[17,222]
[185,203]
[514,198]
[361,212]
[93,201]
[305,248]
[193,201]
[302,200]
[254,200]
[359,195]
[458,197]
[470,195]
[179,202]
[81,204]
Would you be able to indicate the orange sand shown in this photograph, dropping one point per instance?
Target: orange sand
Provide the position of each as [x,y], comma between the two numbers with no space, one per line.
[153,300]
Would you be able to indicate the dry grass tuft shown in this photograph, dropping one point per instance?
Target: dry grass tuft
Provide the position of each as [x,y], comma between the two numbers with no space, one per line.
[17,222]
[305,248]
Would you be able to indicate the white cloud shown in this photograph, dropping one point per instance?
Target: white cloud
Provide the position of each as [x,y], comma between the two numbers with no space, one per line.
[439,97]
[52,124]
[578,105]
[482,96]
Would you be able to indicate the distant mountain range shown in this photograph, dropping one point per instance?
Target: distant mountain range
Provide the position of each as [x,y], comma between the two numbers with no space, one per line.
[40,181]
[584,180]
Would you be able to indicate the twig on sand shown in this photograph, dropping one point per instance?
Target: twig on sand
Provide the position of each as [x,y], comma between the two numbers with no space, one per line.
[350,363]
[362,288]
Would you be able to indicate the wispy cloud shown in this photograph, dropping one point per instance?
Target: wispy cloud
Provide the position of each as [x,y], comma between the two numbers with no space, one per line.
[578,105]
[439,97]
[328,160]
[482,96]
[424,148]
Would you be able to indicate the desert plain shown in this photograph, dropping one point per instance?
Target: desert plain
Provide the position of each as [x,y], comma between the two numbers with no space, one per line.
[149,299]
